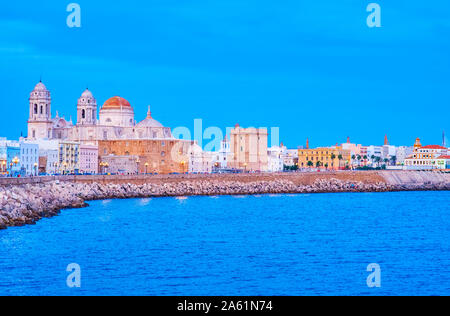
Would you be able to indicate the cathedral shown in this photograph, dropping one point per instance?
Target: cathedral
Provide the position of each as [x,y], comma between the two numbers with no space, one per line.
[115,121]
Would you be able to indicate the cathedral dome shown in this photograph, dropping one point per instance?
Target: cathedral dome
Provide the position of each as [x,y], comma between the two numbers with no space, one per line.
[149,121]
[116,103]
[87,94]
[40,87]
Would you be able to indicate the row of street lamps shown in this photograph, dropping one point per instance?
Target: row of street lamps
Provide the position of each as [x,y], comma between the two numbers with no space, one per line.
[14,162]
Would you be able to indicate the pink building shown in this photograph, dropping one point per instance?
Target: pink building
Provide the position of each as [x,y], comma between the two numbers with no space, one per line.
[88,159]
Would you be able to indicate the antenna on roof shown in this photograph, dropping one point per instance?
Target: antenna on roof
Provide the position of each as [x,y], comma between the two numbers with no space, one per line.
[443,139]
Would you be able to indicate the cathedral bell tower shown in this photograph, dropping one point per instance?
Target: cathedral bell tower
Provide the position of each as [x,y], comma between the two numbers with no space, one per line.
[87,109]
[40,119]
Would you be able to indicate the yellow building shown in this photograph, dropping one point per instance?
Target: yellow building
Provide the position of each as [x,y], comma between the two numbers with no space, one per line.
[334,158]
[68,157]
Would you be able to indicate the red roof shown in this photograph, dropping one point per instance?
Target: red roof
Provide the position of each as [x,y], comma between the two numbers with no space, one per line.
[444,157]
[433,147]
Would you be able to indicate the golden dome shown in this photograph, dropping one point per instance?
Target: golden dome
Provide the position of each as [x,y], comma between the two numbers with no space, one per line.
[115,103]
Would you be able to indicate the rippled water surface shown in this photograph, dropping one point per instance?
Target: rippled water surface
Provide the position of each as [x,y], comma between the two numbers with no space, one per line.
[247,245]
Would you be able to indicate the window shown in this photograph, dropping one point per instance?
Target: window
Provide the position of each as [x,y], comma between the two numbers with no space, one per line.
[42,110]
[35,109]
[83,114]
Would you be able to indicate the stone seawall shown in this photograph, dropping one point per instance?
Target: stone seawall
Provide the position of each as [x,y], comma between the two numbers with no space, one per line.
[24,201]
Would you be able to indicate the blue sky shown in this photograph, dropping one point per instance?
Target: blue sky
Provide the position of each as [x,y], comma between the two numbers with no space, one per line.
[312,68]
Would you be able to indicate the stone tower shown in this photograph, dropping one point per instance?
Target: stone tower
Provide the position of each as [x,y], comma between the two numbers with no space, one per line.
[40,119]
[87,109]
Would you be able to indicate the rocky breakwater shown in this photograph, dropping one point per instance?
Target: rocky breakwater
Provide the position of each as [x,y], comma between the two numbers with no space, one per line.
[25,204]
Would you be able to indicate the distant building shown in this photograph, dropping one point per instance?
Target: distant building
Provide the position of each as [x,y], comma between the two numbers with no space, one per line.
[334,158]
[354,149]
[276,158]
[119,164]
[88,159]
[248,149]
[443,162]
[290,157]
[162,156]
[200,161]
[116,120]
[48,155]
[425,157]
[3,156]
[29,159]
[69,157]
[10,152]
[402,153]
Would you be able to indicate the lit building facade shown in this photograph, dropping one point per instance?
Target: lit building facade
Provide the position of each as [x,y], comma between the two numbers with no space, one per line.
[334,158]
[153,156]
[69,157]
[248,148]
[88,159]
[425,157]
[29,159]
[124,165]
[276,158]
[200,161]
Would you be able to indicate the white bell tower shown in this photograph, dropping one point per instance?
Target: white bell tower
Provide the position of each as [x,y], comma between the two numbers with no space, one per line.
[40,119]
[87,109]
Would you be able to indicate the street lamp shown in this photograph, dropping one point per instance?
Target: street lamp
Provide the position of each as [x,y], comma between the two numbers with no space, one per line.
[35,168]
[146,165]
[245,167]
[137,165]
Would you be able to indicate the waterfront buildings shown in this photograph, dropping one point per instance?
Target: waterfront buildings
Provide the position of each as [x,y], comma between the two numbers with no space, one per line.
[114,132]
[426,157]
[116,120]
[248,149]
[220,158]
[443,162]
[29,158]
[275,158]
[119,164]
[48,156]
[335,158]
[154,155]
[402,153]
[200,161]
[18,158]
[88,159]
[69,157]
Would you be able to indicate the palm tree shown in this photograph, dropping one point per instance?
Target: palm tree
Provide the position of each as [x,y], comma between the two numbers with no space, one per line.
[340,157]
[378,160]
[326,166]
[359,160]
[394,160]
[365,160]
[333,156]
[318,164]
[310,163]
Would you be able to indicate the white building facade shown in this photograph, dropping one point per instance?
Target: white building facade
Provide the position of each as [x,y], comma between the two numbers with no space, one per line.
[29,158]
